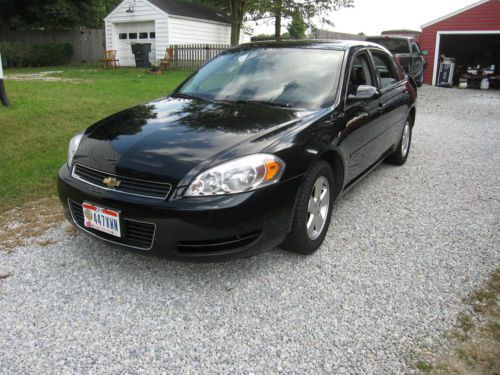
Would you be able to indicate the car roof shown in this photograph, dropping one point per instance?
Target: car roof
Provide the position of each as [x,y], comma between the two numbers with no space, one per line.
[378,37]
[339,45]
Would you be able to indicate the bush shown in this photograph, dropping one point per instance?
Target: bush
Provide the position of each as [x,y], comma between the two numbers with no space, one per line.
[15,54]
[51,54]
[265,37]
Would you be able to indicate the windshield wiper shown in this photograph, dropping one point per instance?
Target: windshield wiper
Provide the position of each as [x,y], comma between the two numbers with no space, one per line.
[242,101]
[185,96]
[265,102]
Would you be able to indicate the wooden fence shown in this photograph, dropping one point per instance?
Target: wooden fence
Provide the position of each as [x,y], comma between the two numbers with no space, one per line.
[326,34]
[88,45]
[192,56]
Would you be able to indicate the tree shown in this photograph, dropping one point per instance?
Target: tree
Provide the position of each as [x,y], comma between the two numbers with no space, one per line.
[297,28]
[307,10]
[232,8]
[54,14]
[237,10]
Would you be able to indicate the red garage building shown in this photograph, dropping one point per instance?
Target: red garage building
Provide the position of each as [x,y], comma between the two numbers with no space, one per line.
[470,35]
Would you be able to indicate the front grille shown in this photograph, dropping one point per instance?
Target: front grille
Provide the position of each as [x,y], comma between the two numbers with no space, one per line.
[223,244]
[158,190]
[137,234]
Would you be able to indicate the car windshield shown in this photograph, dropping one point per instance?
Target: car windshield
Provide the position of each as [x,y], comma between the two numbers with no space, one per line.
[393,45]
[288,77]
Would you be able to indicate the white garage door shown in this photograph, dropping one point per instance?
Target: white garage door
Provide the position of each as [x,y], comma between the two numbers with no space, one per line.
[135,32]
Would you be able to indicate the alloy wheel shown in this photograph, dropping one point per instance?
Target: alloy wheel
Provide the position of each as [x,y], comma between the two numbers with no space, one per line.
[405,141]
[317,208]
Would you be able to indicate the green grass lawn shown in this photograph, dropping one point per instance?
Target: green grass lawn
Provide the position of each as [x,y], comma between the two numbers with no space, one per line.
[35,131]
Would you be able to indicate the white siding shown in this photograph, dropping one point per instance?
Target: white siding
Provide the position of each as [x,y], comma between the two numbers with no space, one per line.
[245,38]
[169,29]
[143,11]
[185,30]
[108,29]
[161,26]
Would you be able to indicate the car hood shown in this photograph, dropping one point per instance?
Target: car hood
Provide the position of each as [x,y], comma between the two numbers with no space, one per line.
[168,139]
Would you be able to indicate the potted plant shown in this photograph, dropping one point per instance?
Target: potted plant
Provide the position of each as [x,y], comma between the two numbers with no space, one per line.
[155,69]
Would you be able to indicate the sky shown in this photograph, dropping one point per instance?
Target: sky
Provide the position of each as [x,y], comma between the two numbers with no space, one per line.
[373,16]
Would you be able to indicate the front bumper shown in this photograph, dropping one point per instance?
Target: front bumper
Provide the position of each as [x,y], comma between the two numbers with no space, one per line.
[191,228]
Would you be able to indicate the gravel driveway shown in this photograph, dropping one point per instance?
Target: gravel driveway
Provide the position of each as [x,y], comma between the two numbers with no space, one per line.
[404,247]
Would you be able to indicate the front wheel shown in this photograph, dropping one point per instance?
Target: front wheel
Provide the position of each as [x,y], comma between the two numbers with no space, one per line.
[313,211]
[399,156]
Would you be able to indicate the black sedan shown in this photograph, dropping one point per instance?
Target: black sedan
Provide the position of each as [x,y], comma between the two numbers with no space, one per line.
[248,153]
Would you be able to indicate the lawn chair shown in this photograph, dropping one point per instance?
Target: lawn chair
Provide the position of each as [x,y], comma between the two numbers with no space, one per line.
[167,60]
[110,59]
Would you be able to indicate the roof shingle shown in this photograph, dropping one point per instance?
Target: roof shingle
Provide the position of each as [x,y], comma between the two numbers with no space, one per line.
[181,8]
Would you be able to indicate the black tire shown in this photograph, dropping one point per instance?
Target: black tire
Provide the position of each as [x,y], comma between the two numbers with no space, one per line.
[298,240]
[399,156]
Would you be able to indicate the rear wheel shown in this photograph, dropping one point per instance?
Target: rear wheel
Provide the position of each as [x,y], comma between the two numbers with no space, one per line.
[399,156]
[313,211]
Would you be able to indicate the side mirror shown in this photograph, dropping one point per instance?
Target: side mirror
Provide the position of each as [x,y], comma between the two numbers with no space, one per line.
[365,92]
[424,52]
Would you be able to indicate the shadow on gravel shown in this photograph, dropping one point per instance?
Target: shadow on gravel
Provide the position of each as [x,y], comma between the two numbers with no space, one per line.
[130,263]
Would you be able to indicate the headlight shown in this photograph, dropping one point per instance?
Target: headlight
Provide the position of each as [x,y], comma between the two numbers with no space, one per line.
[243,174]
[73,146]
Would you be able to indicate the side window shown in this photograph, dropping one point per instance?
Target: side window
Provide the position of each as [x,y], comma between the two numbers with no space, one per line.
[385,69]
[414,50]
[359,74]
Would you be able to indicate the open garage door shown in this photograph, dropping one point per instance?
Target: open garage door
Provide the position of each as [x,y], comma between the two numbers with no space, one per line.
[135,32]
[468,49]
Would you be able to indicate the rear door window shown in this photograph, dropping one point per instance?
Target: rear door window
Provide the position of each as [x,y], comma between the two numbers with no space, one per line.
[396,46]
[385,69]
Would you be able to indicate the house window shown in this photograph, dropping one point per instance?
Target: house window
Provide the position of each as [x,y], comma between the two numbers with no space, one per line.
[143,35]
[122,35]
[132,35]
[152,35]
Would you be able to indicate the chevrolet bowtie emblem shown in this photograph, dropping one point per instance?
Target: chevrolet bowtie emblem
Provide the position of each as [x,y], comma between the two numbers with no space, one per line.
[111,182]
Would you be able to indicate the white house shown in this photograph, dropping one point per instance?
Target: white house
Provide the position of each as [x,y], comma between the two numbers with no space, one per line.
[163,23]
